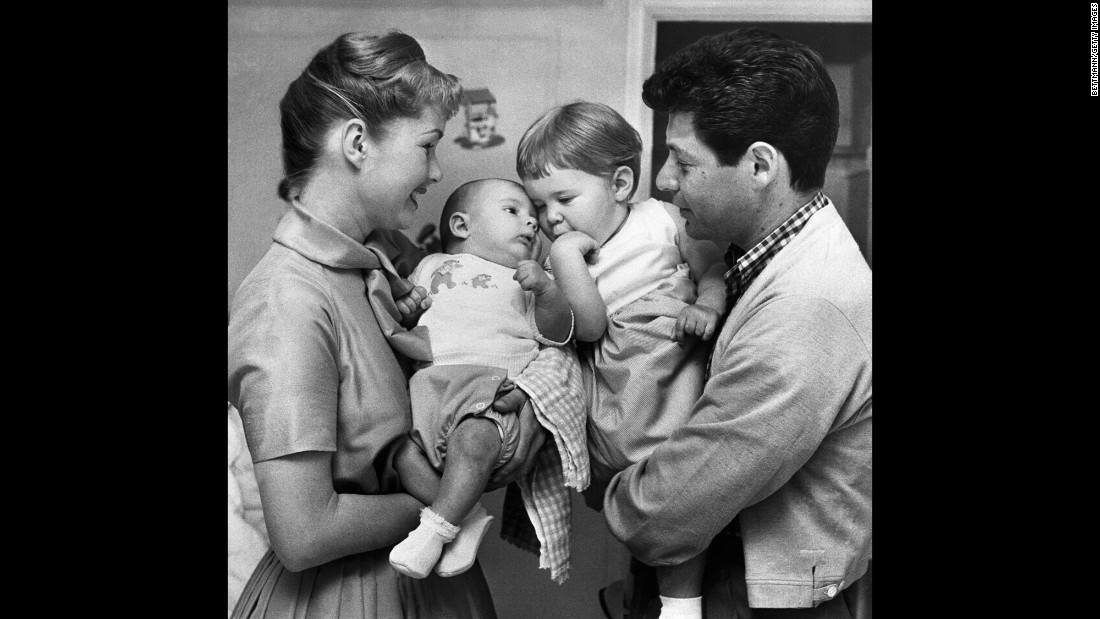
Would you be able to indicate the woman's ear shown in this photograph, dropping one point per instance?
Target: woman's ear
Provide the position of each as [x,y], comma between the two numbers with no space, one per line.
[354,142]
[460,225]
[622,183]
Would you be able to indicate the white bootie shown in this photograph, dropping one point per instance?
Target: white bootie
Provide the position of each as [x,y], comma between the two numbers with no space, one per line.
[459,555]
[418,553]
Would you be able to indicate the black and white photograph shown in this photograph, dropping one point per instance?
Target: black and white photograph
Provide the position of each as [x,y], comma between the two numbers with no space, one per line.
[664,413]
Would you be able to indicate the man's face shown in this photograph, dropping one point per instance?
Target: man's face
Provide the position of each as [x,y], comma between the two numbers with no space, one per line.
[716,202]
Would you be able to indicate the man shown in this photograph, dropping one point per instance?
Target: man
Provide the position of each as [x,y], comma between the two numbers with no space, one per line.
[773,471]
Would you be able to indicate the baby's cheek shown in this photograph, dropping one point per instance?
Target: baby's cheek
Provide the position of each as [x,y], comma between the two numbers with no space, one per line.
[546,228]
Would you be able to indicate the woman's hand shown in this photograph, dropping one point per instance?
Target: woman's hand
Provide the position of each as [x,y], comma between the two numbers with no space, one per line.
[532,436]
[418,477]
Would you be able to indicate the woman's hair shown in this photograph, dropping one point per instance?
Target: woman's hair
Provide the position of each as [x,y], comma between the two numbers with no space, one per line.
[586,136]
[749,85]
[373,78]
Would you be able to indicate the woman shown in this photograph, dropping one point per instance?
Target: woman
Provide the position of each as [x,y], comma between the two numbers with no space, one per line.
[317,357]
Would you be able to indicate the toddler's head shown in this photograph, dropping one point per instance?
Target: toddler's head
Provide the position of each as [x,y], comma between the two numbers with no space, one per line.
[493,219]
[579,162]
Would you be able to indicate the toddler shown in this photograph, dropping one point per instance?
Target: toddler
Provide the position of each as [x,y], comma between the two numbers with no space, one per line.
[492,308]
[643,293]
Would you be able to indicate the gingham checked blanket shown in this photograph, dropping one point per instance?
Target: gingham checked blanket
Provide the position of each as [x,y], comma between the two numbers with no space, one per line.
[553,380]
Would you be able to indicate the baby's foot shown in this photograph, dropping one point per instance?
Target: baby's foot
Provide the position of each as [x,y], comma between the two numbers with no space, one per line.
[459,555]
[419,552]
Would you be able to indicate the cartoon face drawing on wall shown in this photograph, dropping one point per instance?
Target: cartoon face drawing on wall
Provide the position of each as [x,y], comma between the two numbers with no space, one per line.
[481,120]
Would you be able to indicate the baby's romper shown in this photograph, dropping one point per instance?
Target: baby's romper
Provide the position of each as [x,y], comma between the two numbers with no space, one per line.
[482,329]
[641,384]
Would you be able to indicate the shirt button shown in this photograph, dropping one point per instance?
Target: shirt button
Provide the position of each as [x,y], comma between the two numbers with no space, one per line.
[832,591]
[481,405]
[495,378]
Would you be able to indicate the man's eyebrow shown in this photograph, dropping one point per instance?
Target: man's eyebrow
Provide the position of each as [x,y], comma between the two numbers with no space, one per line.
[680,153]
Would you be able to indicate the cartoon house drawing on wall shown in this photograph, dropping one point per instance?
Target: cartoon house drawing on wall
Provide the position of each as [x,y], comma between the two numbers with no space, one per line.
[481,119]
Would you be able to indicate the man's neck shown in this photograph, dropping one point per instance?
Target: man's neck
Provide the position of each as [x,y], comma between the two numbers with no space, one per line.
[778,210]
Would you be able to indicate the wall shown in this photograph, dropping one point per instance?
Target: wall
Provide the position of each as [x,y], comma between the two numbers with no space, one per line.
[531,55]
[530,58]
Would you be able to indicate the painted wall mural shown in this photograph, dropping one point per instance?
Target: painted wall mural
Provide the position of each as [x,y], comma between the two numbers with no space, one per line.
[479,106]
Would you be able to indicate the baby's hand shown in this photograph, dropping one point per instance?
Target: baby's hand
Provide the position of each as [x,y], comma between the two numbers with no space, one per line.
[532,277]
[413,304]
[579,242]
[698,320]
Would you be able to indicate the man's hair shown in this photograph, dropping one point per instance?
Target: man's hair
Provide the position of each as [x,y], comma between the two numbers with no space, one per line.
[460,201]
[750,85]
[583,135]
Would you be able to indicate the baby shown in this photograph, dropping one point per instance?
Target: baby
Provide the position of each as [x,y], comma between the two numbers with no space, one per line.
[644,295]
[492,309]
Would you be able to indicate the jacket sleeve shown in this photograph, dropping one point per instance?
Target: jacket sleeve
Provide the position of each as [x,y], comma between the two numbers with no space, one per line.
[773,394]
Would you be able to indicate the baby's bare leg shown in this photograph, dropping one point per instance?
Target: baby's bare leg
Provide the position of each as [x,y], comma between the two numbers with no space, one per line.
[418,477]
[472,451]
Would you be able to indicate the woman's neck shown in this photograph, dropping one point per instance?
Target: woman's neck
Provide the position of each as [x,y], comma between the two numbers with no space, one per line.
[333,201]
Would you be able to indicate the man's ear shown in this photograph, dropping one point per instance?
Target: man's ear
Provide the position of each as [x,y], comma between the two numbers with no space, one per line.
[460,225]
[765,162]
[622,183]
[355,142]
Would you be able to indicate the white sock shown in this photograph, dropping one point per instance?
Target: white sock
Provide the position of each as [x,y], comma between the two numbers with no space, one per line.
[681,608]
[419,552]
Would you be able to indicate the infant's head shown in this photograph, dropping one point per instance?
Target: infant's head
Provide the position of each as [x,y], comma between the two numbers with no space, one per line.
[493,219]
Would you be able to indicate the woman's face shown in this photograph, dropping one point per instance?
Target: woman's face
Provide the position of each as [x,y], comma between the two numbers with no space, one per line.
[402,167]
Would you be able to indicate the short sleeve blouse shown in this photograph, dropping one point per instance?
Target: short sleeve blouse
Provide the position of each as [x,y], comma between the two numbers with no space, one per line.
[310,367]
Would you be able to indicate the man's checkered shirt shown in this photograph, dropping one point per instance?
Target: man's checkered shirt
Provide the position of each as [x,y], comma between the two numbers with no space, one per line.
[744,267]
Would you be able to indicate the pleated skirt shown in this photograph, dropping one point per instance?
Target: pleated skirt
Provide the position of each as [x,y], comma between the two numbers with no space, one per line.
[363,586]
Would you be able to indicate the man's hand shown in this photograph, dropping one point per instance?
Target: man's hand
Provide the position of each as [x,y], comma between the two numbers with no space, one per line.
[698,320]
[532,436]
[413,304]
[575,242]
[532,277]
